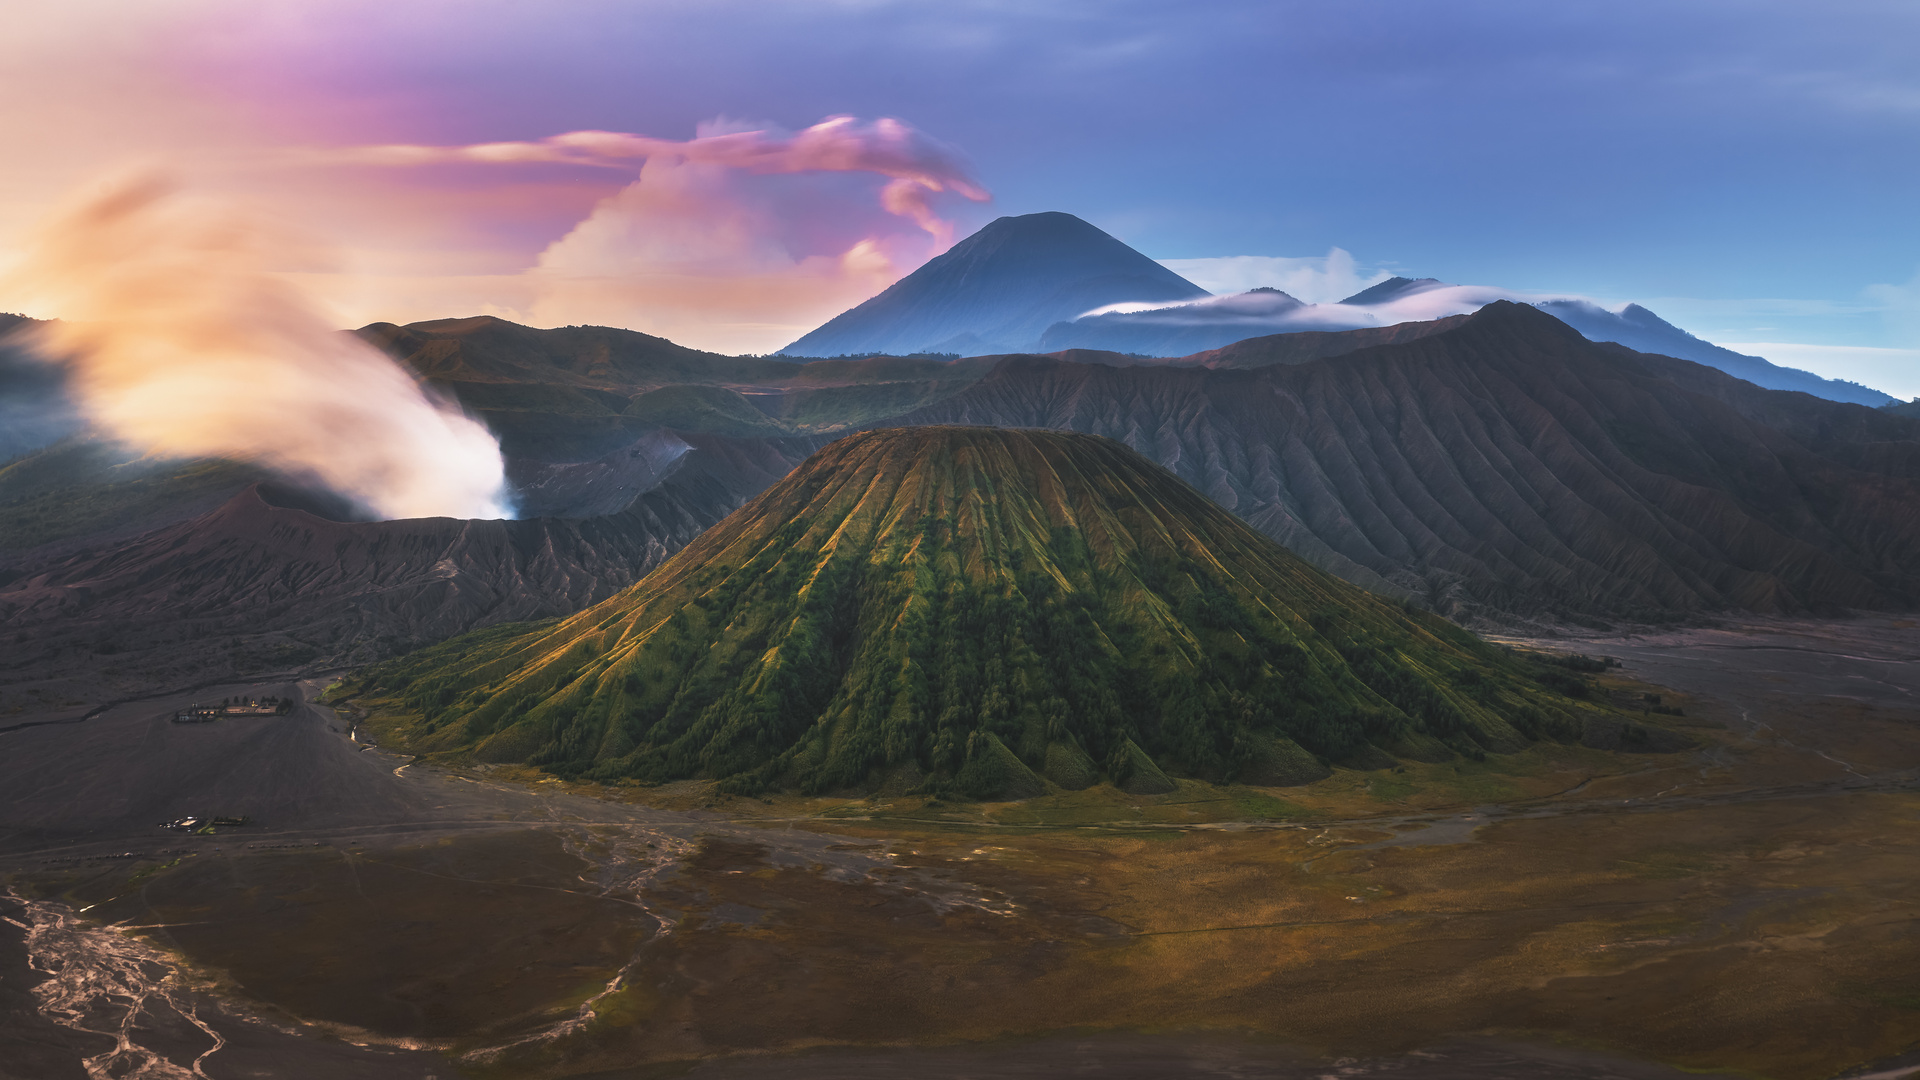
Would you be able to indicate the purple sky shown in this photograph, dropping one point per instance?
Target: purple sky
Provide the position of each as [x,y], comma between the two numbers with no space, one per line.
[1745,169]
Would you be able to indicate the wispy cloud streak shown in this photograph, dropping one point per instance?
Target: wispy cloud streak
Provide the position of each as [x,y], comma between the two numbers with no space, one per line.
[708,245]
[917,166]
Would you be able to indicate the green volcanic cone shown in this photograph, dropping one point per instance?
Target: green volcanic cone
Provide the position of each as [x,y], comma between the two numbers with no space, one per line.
[979,611]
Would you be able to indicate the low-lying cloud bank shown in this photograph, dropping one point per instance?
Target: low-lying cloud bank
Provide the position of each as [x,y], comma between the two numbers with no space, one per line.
[1213,322]
[1271,310]
[1315,280]
[181,342]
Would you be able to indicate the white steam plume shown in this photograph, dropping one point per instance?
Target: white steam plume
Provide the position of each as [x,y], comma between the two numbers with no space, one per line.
[181,342]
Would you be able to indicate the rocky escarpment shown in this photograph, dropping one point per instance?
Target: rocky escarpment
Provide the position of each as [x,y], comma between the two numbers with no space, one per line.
[1309,345]
[1508,466]
[254,586]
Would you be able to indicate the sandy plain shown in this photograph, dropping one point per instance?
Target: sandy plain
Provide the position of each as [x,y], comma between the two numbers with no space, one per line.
[1746,906]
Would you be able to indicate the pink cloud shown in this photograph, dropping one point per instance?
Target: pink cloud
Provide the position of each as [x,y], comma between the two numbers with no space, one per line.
[917,166]
[706,256]
[737,241]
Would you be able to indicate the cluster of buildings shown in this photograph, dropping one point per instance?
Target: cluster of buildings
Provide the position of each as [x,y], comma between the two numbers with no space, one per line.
[206,714]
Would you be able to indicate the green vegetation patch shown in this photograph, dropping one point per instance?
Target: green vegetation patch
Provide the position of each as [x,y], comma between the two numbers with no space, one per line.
[76,488]
[1263,807]
[703,408]
[1669,863]
[625,1007]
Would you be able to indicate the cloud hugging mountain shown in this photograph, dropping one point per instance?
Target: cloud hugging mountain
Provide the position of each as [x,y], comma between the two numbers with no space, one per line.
[1217,321]
[1050,282]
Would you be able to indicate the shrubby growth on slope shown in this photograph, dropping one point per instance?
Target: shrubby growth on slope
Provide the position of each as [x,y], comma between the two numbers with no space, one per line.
[974,610]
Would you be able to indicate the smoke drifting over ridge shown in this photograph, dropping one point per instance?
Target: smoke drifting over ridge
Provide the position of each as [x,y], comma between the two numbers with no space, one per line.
[181,342]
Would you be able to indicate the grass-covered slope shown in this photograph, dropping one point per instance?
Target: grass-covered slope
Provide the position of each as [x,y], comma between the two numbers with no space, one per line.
[80,488]
[972,609]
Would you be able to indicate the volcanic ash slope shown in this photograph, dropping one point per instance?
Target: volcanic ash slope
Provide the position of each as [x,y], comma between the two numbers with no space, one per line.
[975,611]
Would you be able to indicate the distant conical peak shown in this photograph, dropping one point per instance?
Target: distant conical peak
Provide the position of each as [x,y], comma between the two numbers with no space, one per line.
[1392,289]
[1044,221]
[1054,235]
[1001,288]
[1513,311]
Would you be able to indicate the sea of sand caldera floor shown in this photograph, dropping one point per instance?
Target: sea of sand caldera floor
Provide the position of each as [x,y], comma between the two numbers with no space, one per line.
[1747,905]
